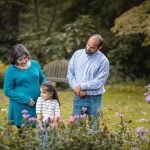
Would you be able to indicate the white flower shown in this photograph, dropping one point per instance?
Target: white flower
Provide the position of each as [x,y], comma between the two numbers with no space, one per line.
[3,109]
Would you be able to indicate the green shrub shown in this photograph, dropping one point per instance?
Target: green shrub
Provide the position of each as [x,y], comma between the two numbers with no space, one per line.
[2,71]
[1,79]
[70,135]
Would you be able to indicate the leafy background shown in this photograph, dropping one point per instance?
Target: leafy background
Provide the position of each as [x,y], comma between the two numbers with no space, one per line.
[53,30]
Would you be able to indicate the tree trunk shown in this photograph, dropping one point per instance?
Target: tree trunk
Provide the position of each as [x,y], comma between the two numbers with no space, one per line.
[37,17]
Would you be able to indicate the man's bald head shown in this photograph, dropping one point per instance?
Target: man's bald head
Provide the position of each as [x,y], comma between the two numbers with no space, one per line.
[94,43]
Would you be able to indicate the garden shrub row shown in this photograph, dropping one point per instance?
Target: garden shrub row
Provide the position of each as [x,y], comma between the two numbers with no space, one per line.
[72,135]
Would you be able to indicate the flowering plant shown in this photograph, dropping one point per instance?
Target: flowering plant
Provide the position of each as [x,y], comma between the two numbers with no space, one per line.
[72,135]
[147,94]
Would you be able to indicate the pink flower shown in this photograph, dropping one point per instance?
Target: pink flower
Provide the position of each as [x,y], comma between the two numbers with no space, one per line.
[71,119]
[32,119]
[83,116]
[77,116]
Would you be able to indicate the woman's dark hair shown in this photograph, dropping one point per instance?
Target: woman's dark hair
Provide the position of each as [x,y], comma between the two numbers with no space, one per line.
[50,87]
[18,51]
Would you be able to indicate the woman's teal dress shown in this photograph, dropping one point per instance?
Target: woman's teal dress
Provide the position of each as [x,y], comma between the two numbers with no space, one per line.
[20,85]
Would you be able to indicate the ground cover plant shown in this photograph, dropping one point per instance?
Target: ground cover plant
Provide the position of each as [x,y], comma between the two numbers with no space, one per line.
[124,124]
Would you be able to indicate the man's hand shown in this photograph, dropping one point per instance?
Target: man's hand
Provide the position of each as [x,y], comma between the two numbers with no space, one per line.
[82,93]
[77,90]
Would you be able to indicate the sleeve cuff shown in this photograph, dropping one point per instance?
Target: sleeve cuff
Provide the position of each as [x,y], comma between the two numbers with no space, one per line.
[83,86]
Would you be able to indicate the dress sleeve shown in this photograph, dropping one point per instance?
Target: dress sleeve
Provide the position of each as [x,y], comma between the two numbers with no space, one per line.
[9,89]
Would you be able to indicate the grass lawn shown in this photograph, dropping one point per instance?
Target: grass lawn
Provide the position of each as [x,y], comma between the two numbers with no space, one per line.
[126,99]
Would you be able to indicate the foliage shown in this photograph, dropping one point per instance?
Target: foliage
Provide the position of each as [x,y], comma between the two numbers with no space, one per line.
[135,21]
[2,67]
[8,27]
[125,55]
[125,100]
[1,79]
[131,44]
[14,138]
[23,22]
[72,135]
[2,71]
[104,10]
[39,46]
[55,29]
[74,36]
[60,44]
[5,53]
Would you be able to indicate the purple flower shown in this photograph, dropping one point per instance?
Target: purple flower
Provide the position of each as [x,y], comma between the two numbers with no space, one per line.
[147,94]
[148,98]
[148,86]
[139,130]
[24,112]
[84,109]
[48,120]
[25,116]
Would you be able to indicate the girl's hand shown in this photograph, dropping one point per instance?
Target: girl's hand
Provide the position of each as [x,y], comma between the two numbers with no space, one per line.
[42,129]
[32,102]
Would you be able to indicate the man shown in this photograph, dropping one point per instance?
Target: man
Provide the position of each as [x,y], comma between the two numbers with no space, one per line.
[87,73]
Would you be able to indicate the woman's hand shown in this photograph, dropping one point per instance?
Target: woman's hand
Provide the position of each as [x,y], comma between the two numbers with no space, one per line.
[32,102]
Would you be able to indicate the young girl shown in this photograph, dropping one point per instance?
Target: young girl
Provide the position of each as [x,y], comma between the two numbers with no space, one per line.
[48,105]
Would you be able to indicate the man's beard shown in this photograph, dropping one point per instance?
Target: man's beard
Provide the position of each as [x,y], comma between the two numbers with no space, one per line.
[88,52]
